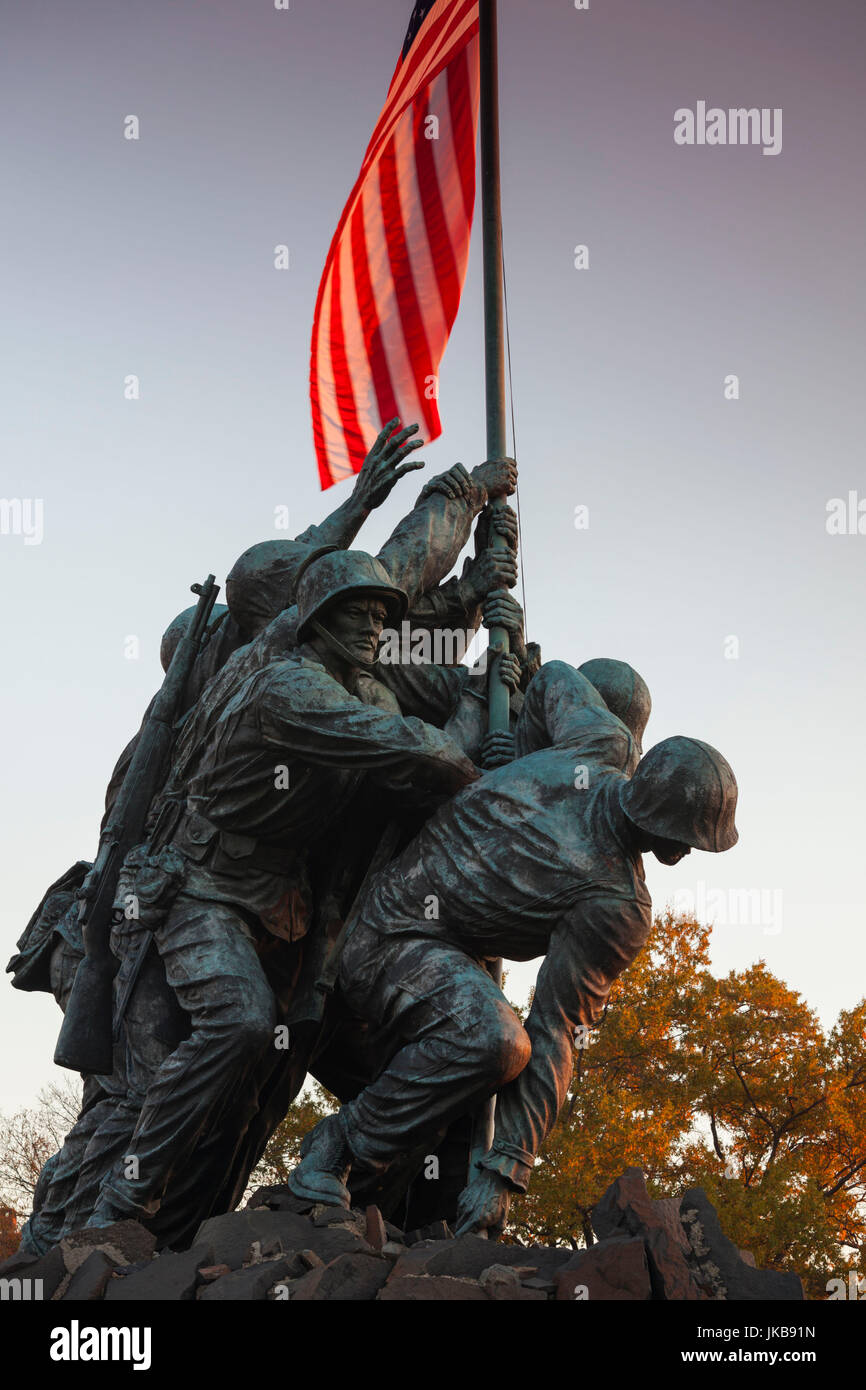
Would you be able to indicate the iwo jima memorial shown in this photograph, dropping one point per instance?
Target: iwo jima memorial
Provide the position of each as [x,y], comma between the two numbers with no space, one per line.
[330,831]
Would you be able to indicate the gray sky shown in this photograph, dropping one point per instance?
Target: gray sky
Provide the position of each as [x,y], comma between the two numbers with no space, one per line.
[707,516]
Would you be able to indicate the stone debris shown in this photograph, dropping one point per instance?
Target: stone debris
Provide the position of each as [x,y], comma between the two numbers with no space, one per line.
[90,1280]
[720,1265]
[170,1278]
[280,1249]
[376,1235]
[613,1270]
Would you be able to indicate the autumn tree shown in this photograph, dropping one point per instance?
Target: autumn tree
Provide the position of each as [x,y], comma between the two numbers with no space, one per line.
[10,1235]
[729,1084]
[30,1136]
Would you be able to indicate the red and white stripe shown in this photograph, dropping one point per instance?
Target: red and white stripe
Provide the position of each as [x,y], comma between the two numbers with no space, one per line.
[395,271]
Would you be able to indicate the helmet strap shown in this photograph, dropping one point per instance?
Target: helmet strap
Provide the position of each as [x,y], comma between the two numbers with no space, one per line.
[339,650]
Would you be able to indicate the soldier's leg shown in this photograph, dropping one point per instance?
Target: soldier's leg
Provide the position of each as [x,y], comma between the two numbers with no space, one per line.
[59,1177]
[211,964]
[152,1027]
[461,1041]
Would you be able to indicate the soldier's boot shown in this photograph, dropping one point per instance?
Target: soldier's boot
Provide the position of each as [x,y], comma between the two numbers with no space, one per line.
[325,1162]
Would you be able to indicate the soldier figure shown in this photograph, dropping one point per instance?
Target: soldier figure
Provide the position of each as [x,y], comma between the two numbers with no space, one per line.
[539,857]
[276,746]
[260,585]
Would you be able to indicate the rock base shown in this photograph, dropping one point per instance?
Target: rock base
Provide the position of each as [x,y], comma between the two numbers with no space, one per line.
[278,1248]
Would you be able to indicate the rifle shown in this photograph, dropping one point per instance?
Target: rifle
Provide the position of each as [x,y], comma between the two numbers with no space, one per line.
[85,1041]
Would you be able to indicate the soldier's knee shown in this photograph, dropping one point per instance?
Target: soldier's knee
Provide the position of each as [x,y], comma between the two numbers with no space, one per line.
[507,1047]
[247,1023]
[255,1033]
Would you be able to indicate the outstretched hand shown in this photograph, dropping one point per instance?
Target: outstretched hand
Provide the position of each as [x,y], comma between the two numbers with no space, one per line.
[483,1205]
[385,464]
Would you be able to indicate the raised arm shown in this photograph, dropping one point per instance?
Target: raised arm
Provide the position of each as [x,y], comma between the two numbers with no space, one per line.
[387,462]
[458,602]
[425,546]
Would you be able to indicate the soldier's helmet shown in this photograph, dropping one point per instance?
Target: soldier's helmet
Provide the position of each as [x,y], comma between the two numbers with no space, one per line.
[625,693]
[263,582]
[684,790]
[338,574]
[178,627]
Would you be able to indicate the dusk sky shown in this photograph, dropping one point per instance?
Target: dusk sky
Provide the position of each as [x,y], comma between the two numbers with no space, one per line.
[707,561]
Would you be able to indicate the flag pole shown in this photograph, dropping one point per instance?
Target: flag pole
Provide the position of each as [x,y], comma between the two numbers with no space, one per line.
[499,703]
[494,312]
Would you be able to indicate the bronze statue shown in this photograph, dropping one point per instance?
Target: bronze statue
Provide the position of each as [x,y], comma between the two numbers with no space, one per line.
[528,860]
[149,1023]
[296,750]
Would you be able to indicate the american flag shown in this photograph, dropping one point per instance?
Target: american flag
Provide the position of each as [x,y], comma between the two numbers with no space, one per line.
[395,271]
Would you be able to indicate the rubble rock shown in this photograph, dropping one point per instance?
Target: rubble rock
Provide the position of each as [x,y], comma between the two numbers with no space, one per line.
[280,1248]
[124,1242]
[626,1209]
[612,1270]
[169,1278]
[718,1263]
[232,1236]
[438,1288]
[437,1230]
[545,1286]
[19,1261]
[50,1269]
[349,1279]
[466,1257]
[338,1216]
[376,1235]
[667,1209]
[89,1282]
[310,1260]
[252,1284]
[503,1284]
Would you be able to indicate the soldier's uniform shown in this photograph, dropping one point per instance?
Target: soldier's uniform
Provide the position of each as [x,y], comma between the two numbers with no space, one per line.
[260,586]
[258,780]
[536,859]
